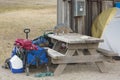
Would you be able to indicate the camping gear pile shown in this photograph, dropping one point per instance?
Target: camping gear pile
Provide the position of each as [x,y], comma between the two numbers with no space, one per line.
[31,52]
[26,53]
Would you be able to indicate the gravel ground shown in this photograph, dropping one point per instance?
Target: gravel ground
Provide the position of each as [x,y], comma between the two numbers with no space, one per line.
[72,72]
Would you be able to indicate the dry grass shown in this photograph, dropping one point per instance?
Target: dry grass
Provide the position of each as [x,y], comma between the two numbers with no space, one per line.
[10,5]
[16,15]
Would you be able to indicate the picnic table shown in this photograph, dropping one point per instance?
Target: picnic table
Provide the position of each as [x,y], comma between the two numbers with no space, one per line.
[84,46]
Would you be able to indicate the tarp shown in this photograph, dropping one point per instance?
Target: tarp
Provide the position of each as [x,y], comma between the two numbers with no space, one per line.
[111,34]
[101,21]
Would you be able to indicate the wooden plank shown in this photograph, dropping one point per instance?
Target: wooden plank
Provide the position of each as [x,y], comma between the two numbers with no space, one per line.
[78,59]
[75,38]
[68,13]
[54,54]
[61,67]
[80,24]
[106,5]
[60,11]
[99,6]
[82,46]
[65,11]
[87,19]
[72,16]
[100,64]
[89,16]
[94,10]
[84,28]
[106,52]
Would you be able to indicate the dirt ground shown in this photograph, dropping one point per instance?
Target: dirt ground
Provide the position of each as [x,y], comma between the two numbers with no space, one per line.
[72,72]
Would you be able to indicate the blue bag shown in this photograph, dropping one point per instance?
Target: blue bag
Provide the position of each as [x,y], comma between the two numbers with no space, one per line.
[35,56]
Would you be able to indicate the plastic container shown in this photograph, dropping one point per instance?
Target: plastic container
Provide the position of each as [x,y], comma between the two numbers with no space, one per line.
[16,65]
[117,4]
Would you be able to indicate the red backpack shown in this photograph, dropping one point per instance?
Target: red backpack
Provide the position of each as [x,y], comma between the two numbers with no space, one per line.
[25,44]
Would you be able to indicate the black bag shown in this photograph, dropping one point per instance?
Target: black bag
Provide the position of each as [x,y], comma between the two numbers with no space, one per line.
[6,64]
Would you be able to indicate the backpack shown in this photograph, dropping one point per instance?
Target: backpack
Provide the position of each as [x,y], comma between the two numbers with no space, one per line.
[6,64]
[43,41]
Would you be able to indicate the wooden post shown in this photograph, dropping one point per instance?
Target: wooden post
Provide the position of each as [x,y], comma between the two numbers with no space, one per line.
[86,19]
[72,16]
[65,12]
[89,15]
[59,12]
[68,13]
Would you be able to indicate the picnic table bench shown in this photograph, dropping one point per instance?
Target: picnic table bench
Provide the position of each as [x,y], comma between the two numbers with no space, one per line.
[54,54]
[85,47]
[107,53]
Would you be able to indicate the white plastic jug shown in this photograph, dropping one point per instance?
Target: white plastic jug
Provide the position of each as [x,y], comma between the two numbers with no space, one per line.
[16,64]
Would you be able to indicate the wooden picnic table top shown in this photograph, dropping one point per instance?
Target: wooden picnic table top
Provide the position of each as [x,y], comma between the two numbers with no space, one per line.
[73,38]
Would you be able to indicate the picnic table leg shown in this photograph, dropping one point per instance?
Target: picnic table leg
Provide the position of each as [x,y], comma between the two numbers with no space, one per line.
[61,67]
[99,64]
[80,52]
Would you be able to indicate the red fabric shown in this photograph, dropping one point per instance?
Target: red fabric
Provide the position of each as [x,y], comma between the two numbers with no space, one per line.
[26,44]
